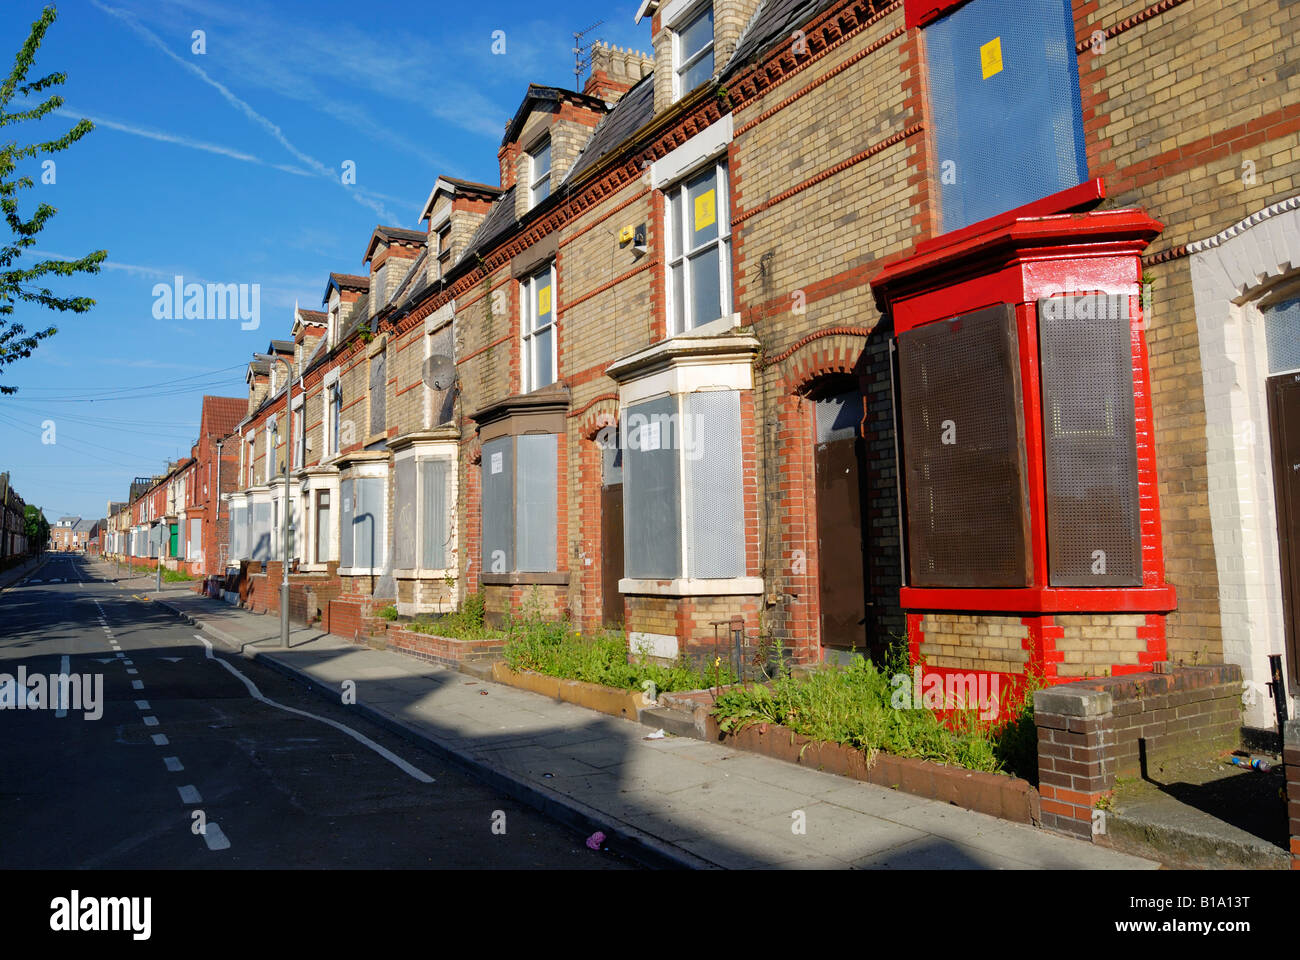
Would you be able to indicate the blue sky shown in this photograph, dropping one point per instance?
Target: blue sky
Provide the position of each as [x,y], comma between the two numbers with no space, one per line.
[227,167]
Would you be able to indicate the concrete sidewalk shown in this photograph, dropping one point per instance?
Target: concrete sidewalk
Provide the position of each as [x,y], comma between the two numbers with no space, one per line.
[9,577]
[668,802]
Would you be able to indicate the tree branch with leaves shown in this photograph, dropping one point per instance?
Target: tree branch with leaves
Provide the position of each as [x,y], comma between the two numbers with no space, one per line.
[23,285]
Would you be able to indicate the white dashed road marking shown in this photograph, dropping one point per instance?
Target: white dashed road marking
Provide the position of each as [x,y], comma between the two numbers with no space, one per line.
[189,794]
[151,721]
[173,764]
[215,837]
[137,684]
[160,740]
[142,704]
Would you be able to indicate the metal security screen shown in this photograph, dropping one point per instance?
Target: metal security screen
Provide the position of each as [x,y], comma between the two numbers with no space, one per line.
[498,505]
[194,544]
[378,393]
[368,522]
[715,545]
[1090,445]
[404,529]
[434,480]
[651,491]
[1282,335]
[345,522]
[238,533]
[261,546]
[964,452]
[1008,119]
[535,513]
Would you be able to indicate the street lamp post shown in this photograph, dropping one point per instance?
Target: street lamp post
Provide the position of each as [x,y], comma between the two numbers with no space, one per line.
[284,535]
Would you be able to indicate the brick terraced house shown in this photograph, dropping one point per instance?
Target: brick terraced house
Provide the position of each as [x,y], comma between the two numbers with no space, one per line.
[973,323]
[179,514]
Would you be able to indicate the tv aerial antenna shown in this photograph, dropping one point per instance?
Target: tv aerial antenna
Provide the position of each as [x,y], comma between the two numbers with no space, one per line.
[582,53]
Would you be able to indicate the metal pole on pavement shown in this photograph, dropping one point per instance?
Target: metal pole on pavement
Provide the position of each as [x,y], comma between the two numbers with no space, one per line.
[284,535]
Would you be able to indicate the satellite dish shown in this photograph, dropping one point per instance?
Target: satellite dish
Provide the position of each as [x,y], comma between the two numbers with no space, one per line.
[439,372]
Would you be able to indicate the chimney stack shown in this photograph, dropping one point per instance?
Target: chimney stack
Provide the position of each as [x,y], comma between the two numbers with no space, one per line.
[614,71]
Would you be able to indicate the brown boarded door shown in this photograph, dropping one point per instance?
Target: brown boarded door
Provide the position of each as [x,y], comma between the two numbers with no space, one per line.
[611,528]
[1284,422]
[842,574]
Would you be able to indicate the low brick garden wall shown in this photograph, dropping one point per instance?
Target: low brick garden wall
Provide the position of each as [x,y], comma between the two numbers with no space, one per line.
[447,651]
[1092,731]
[995,794]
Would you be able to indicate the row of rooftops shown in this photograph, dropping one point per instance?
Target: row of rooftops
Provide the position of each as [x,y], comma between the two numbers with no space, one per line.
[618,122]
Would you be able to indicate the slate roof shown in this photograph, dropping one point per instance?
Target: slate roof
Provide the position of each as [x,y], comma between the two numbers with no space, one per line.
[633,111]
[414,283]
[313,316]
[360,312]
[499,221]
[472,185]
[774,20]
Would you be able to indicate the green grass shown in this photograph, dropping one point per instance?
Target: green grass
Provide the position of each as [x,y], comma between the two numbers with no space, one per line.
[465,624]
[557,650]
[175,576]
[389,612]
[852,705]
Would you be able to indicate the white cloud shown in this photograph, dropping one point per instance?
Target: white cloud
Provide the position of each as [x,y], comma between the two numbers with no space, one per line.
[361,196]
[180,140]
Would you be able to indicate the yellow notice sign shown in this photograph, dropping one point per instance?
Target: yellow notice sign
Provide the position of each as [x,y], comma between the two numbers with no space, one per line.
[706,210]
[991,57]
[544,301]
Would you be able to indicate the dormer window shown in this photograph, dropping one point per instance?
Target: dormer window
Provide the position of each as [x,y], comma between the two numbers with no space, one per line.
[539,172]
[692,51]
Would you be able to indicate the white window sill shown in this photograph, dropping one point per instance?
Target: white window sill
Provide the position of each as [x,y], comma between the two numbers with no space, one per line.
[361,571]
[422,574]
[694,587]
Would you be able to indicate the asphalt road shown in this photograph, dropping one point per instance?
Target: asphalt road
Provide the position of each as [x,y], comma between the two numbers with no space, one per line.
[183,741]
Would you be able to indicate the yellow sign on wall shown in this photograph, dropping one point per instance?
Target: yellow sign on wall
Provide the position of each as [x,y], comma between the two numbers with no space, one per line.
[706,210]
[544,301]
[991,57]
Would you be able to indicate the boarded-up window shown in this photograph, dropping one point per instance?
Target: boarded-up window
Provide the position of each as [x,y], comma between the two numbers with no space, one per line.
[345,522]
[238,532]
[194,546]
[1008,117]
[434,481]
[498,505]
[404,529]
[963,447]
[535,512]
[519,485]
[378,393]
[651,491]
[1090,442]
[367,522]
[715,533]
[261,546]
